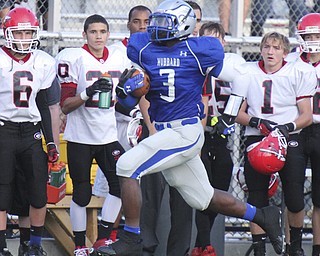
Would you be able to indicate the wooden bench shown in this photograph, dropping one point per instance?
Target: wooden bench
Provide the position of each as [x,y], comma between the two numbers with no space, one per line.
[59,226]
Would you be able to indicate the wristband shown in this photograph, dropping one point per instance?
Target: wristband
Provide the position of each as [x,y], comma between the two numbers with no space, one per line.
[254,122]
[291,126]
[84,96]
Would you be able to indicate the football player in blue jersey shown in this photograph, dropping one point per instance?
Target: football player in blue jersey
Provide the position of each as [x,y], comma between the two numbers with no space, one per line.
[177,66]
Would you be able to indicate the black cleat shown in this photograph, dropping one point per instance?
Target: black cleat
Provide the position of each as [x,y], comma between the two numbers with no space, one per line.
[5,252]
[259,248]
[271,225]
[129,244]
[35,250]
[299,252]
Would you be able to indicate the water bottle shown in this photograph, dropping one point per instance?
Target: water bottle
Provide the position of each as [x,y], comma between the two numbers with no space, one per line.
[105,97]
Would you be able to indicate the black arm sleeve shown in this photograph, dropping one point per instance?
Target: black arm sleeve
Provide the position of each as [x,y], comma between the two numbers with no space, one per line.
[43,107]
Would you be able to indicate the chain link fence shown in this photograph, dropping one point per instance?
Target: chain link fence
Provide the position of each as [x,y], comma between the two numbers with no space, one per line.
[61,22]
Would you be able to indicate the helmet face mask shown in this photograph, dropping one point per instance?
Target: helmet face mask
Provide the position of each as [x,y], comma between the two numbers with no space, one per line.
[134,131]
[172,20]
[21,30]
[269,155]
[309,24]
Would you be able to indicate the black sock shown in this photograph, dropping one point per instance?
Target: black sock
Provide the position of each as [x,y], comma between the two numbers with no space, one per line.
[260,237]
[295,239]
[3,243]
[79,238]
[316,250]
[24,235]
[104,229]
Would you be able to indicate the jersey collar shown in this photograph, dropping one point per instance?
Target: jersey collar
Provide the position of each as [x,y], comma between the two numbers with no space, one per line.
[21,61]
[104,56]
[261,65]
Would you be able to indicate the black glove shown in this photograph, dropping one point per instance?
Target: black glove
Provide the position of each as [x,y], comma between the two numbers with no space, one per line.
[125,76]
[265,126]
[52,152]
[223,125]
[285,129]
[101,85]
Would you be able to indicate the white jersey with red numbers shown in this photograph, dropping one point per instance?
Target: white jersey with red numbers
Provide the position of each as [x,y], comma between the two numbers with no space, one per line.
[77,67]
[274,96]
[297,56]
[20,81]
[221,87]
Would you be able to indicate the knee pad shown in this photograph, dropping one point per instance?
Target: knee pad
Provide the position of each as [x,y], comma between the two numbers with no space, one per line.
[82,193]
[113,182]
[294,197]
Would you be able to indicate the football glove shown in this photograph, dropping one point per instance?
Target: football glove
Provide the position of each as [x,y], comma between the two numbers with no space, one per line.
[263,125]
[128,84]
[222,125]
[101,85]
[52,152]
[285,129]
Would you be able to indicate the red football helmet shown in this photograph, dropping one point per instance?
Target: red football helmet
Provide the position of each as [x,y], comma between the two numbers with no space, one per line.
[134,131]
[273,183]
[309,24]
[269,155]
[21,19]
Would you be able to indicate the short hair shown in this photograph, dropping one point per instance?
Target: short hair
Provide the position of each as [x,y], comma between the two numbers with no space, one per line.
[212,27]
[283,40]
[138,8]
[95,18]
[194,6]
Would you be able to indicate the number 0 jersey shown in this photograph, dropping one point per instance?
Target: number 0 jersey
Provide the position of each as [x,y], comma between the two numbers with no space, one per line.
[78,68]
[20,81]
[176,73]
[274,96]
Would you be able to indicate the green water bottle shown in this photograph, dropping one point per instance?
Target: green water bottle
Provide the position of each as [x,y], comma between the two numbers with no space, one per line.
[105,97]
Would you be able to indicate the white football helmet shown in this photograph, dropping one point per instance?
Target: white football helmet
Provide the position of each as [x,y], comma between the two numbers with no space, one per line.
[134,131]
[172,19]
[21,19]
[309,24]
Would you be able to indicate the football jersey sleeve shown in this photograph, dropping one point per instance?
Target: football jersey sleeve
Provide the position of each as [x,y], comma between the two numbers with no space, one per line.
[46,63]
[308,80]
[240,84]
[136,42]
[209,52]
[67,65]
[229,70]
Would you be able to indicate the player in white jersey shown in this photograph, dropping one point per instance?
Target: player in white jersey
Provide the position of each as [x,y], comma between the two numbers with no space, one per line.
[277,95]
[26,74]
[215,152]
[308,32]
[91,132]
[177,66]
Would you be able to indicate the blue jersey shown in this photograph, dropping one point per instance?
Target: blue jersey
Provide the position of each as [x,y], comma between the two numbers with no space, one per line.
[176,73]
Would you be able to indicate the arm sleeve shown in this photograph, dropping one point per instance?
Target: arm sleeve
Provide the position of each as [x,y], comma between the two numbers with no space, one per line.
[44,110]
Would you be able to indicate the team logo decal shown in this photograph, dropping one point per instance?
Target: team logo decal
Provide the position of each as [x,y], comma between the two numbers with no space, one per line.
[37,136]
[116,154]
[293,144]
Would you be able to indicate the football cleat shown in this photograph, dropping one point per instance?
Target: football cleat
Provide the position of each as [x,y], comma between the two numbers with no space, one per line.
[83,251]
[23,248]
[209,251]
[5,252]
[271,225]
[129,244]
[196,251]
[35,250]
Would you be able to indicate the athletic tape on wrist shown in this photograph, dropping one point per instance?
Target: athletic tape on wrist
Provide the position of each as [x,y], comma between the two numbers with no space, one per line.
[84,95]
